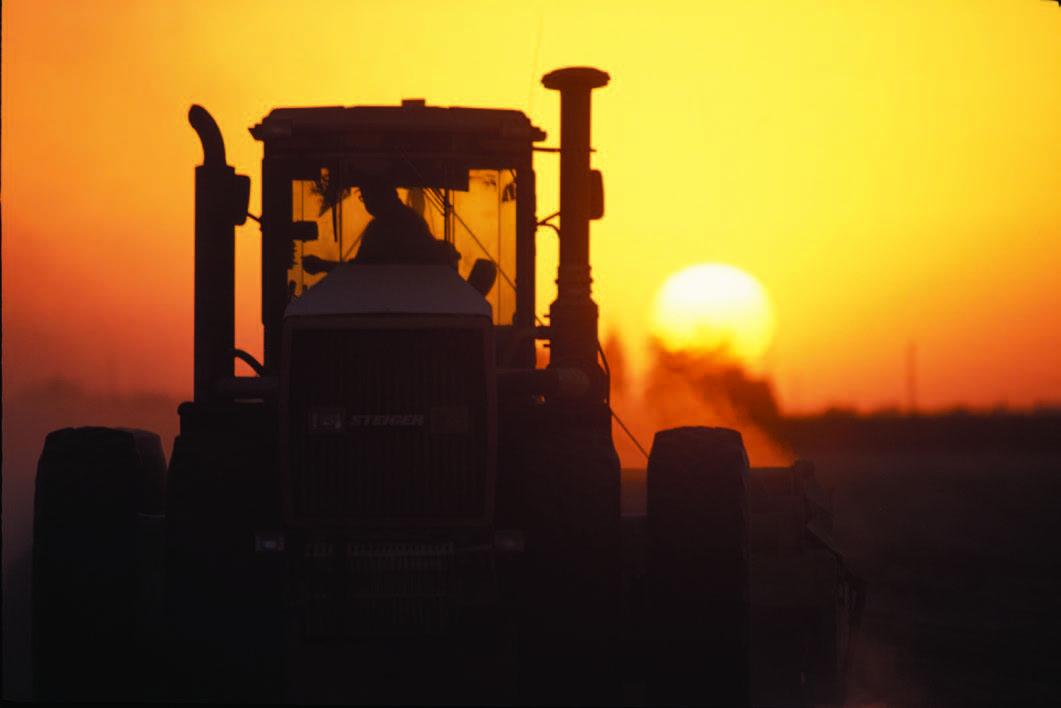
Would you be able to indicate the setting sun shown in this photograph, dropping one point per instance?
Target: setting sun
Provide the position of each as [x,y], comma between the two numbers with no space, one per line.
[634,303]
[713,307]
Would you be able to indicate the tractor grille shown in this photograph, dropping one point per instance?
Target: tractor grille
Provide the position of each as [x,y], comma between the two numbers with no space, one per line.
[377,589]
[387,425]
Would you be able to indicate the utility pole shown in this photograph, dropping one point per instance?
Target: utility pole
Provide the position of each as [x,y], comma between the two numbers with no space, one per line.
[911,378]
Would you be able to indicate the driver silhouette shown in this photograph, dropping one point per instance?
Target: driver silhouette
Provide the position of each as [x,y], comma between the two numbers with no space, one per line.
[396,234]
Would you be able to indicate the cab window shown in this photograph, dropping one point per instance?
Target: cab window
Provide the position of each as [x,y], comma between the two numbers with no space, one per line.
[480,222]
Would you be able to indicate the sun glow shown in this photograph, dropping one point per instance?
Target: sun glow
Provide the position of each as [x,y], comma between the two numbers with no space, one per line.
[855,149]
[714,308]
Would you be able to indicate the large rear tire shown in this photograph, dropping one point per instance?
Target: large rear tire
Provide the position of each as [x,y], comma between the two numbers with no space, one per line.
[696,584]
[96,556]
[571,574]
[225,601]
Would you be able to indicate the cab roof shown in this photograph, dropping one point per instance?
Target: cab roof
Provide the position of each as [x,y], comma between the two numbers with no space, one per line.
[413,115]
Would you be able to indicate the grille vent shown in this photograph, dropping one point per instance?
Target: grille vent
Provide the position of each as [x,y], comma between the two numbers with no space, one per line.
[387,425]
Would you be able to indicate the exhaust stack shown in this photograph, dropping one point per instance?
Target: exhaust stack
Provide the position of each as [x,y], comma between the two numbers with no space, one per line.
[573,316]
[221,198]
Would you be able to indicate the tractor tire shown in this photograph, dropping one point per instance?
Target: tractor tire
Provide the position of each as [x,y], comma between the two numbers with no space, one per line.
[697,610]
[97,564]
[570,585]
[224,605]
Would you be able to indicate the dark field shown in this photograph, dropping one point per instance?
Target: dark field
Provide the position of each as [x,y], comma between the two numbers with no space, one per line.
[956,544]
[964,583]
[964,580]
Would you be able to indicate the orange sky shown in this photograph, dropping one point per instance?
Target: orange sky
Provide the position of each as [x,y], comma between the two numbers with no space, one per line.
[890,171]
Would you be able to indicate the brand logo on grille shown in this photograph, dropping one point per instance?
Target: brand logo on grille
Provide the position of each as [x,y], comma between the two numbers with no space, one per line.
[398,420]
[336,420]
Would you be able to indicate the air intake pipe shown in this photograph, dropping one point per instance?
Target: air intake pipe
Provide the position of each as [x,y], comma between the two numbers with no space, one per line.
[573,316]
[221,198]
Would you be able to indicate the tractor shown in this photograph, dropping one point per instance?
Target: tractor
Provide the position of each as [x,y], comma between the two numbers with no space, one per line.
[404,503]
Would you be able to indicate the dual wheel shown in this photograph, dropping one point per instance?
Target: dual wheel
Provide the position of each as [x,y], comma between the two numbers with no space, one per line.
[686,615]
[97,568]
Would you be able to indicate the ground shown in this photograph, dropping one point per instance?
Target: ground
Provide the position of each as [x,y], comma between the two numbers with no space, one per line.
[956,547]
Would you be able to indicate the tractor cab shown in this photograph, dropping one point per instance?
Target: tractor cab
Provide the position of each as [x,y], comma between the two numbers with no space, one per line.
[466,172]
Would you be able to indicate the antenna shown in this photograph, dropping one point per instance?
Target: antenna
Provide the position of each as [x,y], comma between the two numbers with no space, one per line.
[534,67]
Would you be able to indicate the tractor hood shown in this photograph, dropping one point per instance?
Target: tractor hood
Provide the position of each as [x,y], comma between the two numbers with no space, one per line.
[352,289]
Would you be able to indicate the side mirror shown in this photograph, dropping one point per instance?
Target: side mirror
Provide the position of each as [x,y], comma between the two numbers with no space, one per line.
[596,194]
[483,275]
[304,231]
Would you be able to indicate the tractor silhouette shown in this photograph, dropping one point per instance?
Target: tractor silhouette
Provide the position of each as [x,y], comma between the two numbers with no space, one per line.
[402,505]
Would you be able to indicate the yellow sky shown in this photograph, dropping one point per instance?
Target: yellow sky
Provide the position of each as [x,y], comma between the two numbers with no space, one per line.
[890,171]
